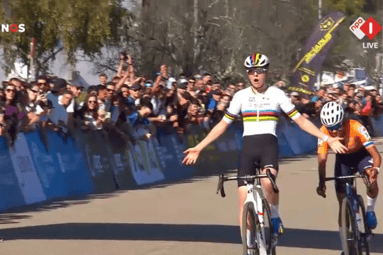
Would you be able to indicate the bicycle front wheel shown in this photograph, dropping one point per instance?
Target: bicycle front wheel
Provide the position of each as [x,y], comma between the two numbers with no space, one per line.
[250,227]
[350,241]
[267,229]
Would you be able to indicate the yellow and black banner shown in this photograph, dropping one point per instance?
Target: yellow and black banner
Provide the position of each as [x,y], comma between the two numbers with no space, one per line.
[315,53]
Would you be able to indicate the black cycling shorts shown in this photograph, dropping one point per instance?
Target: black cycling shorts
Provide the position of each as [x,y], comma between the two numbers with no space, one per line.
[258,151]
[349,164]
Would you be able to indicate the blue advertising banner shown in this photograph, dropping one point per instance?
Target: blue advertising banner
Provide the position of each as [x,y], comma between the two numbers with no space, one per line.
[11,195]
[71,162]
[97,160]
[51,178]
[120,161]
[25,171]
[166,147]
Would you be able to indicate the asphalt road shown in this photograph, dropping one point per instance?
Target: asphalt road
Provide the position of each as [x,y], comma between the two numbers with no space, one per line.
[180,218]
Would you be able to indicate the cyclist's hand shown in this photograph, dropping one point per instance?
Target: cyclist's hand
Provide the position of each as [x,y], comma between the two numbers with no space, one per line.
[321,190]
[372,174]
[191,156]
[336,146]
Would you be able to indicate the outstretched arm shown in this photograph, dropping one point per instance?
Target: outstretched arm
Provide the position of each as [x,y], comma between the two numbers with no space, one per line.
[193,153]
[310,128]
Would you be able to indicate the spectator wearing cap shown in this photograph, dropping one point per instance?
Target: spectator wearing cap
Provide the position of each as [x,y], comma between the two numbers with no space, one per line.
[53,94]
[134,97]
[103,78]
[215,97]
[17,81]
[171,83]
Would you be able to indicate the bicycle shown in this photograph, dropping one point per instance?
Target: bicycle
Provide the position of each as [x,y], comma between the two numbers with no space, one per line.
[356,232]
[256,214]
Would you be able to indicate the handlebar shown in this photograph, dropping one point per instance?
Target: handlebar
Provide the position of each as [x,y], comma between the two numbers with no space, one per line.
[247,178]
[368,184]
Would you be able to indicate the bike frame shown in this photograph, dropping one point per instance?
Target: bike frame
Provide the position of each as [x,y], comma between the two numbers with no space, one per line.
[254,196]
[352,194]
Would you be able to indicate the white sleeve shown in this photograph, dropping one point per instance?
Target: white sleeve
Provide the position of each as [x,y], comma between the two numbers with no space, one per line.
[234,109]
[287,106]
[70,108]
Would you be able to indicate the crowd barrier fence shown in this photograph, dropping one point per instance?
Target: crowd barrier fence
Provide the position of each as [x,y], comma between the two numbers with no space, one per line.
[43,166]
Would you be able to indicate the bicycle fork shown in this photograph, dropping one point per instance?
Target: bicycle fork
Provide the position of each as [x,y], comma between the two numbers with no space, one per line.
[261,236]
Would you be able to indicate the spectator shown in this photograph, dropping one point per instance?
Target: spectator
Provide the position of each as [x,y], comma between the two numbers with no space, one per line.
[59,114]
[134,97]
[124,91]
[76,90]
[201,87]
[212,104]
[88,117]
[103,95]
[103,78]
[193,114]
[241,85]
[207,81]
[231,88]
[191,88]
[351,91]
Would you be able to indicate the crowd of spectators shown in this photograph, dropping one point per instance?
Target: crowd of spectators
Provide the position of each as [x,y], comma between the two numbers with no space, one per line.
[359,102]
[133,105]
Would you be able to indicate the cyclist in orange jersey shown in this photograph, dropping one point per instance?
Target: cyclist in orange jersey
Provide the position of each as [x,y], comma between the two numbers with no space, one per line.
[362,156]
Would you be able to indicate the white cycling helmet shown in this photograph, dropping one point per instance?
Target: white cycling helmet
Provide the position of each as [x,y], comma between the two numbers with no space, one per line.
[331,114]
[257,60]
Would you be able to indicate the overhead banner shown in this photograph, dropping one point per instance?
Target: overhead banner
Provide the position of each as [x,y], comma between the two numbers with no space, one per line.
[315,53]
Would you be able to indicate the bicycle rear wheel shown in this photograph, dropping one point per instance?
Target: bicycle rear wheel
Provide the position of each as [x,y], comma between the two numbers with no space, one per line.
[269,237]
[364,247]
[249,222]
[350,242]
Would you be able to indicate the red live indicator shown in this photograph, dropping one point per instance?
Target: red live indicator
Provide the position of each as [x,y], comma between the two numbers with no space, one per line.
[371,28]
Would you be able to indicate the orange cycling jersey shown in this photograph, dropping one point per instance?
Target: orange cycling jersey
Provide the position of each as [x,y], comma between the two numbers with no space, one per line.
[355,137]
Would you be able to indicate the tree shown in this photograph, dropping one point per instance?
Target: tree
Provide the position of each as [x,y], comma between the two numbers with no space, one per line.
[69,26]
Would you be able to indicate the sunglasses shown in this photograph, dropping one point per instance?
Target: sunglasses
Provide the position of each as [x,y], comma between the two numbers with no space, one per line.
[41,83]
[110,90]
[34,91]
[336,127]
[11,90]
[92,102]
[257,70]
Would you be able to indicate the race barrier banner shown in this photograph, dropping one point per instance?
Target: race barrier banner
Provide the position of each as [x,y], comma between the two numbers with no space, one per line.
[42,166]
[10,188]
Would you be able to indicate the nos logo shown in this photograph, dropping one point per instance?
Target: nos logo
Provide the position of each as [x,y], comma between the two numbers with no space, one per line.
[14,28]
